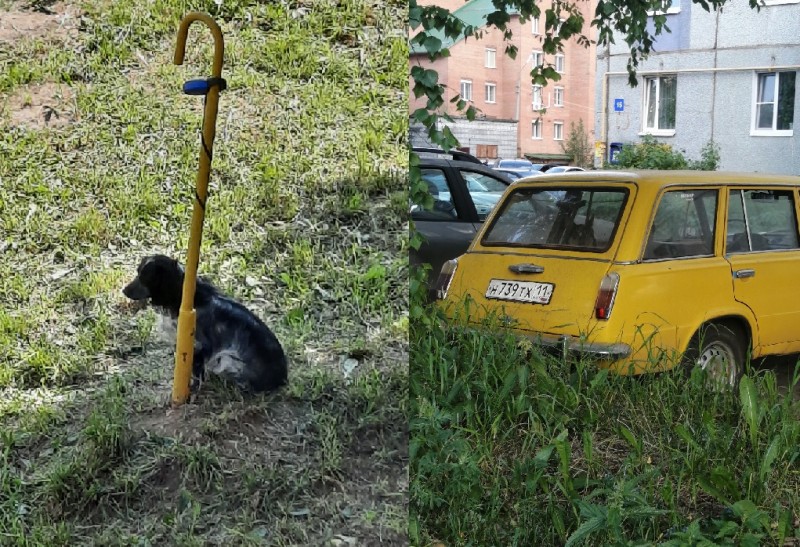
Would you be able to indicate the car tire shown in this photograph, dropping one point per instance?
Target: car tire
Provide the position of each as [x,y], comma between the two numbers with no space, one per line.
[720,350]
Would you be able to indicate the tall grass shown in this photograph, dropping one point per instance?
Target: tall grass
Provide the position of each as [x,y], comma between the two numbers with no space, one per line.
[511,446]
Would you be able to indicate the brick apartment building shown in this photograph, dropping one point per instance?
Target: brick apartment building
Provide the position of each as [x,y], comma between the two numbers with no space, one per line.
[515,118]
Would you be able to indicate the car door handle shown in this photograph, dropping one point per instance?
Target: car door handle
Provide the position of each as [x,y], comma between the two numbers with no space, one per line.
[526,268]
[741,274]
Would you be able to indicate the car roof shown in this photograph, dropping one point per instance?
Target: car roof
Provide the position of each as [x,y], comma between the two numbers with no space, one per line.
[441,162]
[654,178]
[455,154]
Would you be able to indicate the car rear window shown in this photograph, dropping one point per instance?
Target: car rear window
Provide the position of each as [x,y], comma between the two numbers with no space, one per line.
[558,218]
[515,164]
[683,226]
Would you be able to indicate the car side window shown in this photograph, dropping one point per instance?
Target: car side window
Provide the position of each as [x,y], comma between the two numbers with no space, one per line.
[683,226]
[484,190]
[761,220]
[443,206]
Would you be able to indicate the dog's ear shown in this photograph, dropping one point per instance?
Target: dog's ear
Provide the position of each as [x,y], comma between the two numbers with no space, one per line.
[135,290]
[144,262]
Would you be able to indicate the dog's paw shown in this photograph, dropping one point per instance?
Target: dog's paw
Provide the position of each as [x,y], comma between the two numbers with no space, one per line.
[195,384]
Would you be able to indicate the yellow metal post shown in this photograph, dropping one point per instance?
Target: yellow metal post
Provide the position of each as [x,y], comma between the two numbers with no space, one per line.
[184,348]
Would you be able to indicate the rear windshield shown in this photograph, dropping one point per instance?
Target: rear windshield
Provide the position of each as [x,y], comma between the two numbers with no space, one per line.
[558,218]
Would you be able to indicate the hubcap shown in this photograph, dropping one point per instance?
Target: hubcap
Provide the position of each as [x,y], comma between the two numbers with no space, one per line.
[718,362]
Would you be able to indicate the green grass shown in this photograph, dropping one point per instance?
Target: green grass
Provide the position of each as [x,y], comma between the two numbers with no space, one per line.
[305,223]
[510,446]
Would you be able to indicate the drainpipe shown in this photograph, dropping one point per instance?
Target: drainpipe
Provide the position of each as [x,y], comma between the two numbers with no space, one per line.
[519,93]
[714,78]
[604,108]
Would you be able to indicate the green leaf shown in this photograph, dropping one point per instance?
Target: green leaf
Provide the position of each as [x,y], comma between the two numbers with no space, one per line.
[584,530]
[432,44]
[541,458]
[744,508]
[625,432]
[684,434]
[769,457]
[751,407]
[470,113]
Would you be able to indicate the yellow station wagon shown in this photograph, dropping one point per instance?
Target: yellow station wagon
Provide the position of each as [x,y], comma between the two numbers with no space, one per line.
[640,270]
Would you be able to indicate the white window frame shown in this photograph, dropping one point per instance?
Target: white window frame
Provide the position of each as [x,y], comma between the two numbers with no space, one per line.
[537,58]
[537,90]
[535,26]
[466,85]
[756,132]
[493,87]
[560,60]
[491,57]
[558,131]
[558,96]
[655,131]
[675,7]
[536,129]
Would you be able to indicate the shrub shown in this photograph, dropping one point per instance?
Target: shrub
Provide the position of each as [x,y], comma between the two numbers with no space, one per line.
[577,145]
[651,154]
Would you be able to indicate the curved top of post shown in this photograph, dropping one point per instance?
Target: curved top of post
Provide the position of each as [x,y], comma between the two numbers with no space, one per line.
[183,31]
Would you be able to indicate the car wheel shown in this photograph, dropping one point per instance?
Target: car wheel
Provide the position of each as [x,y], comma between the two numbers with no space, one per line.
[718,349]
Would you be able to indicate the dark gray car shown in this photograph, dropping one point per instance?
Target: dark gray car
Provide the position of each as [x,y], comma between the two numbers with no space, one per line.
[464,193]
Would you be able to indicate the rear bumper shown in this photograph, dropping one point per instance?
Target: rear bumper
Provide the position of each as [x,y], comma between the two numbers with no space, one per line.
[575,346]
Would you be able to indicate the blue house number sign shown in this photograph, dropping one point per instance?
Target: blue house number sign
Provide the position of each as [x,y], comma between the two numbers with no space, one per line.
[619,105]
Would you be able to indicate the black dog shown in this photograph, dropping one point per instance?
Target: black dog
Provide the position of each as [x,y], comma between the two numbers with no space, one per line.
[229,339]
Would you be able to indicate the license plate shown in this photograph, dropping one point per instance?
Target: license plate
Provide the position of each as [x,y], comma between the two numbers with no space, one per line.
[520,291]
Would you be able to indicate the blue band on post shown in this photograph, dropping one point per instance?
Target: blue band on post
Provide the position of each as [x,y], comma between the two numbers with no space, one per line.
[202,87]
[196,87]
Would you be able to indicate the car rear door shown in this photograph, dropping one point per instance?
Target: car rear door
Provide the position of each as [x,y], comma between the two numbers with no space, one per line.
[467,192]
[763,249]
[449,227]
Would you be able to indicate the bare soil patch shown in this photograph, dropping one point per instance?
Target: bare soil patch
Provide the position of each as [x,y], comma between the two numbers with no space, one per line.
[42,105]
[59,21]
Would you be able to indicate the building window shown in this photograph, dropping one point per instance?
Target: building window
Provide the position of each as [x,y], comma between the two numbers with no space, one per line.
[558,131]
[488,151]
[535,25]
[490,92]
[558,98]
[671,7]
[537,58]
[537,97]
[491,55]
[536,129]
[466,90]
[659,104]
[773,108]
[559,62]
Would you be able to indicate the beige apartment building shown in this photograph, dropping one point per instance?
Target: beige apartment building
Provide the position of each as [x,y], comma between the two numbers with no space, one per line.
[515,118]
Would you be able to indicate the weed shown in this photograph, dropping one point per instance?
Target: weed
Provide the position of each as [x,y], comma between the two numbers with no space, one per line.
[509,445]
[327,430]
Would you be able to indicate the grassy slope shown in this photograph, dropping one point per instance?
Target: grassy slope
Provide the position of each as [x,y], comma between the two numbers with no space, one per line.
[512,447]
[306,223]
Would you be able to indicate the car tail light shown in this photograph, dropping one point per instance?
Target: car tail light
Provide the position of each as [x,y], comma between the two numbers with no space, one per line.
[606,296]
[445,277]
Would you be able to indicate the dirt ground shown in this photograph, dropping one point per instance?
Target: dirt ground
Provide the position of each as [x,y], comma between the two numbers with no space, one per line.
[47,104]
